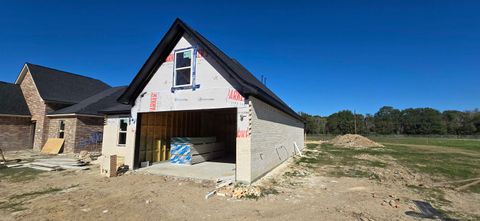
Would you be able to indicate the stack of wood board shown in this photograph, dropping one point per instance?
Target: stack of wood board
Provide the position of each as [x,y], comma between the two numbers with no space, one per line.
[192,150]
[162,151]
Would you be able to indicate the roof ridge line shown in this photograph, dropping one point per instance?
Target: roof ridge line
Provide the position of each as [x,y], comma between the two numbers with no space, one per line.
[67,72]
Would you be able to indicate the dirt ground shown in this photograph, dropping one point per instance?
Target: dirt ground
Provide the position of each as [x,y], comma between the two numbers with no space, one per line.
[298,193]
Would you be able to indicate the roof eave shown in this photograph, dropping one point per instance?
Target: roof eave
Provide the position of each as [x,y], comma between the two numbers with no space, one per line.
[73,115]
[60,102]
[14,115]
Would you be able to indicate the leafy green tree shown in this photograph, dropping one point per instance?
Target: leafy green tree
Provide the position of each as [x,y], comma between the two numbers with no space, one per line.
[422,121]
[309,124]
[476,120]
[322,123]
[360,124]
[341,122]
[314,124]
[387,120]
[369,123]
[455,121]
[471,123]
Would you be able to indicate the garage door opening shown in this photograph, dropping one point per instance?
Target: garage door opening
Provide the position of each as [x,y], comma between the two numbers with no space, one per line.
[156,130]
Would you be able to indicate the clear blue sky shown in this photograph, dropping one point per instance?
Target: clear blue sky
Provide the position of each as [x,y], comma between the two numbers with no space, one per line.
[318,57]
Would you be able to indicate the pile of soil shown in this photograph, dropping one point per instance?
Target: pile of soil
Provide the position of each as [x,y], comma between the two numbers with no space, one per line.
[353,140]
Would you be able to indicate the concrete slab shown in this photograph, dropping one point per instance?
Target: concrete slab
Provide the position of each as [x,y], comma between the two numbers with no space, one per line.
[203,171]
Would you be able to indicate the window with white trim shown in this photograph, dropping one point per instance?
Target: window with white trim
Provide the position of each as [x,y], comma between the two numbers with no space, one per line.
[122,131]
[183,68]
[61,129]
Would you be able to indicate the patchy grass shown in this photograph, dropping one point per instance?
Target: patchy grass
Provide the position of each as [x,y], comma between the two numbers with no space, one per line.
[467,144]
[19,174]
[328,154]
[12,206]
[352,172]
[269,190]
[15,202]
[36,193]
[294,173]
[251,197]
[436,196]
[439,166]
[455,166]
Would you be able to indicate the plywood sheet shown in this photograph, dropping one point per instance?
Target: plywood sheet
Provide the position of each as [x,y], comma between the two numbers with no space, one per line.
[53,145]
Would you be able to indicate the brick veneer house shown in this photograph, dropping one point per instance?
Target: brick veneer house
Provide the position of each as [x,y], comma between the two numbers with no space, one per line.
[16,128]
[59,105]
[82,123]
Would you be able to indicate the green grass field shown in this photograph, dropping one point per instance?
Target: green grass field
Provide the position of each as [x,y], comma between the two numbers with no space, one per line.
[439,165]
[467,144]
[462,143]
[439,159]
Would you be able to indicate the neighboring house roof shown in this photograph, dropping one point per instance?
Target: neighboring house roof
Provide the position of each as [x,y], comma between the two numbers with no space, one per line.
[93,104]
[249,84]
[63,87]
[12,101]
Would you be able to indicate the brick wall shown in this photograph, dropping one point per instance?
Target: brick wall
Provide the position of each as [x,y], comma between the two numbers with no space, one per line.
[272,138]
[15,133]
[37,108]
[89,134]
[69,132]
[81,133]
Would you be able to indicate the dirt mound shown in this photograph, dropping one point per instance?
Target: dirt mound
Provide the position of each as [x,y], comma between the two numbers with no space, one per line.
[353,140]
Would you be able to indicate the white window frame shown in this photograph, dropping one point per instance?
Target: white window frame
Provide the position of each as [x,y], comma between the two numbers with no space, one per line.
[175,67]
[120,131]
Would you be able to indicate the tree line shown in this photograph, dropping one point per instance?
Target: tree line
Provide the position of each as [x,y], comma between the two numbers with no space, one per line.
[389,120]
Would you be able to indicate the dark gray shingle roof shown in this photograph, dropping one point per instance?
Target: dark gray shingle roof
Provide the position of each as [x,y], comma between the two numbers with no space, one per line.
[117,109]
[12,101]
[249,84]
[64,87]
[95,103]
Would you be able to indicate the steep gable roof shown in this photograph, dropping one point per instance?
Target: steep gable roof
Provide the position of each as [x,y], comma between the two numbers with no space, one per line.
[249,84]
[12,101]
[63,87]
[94,104]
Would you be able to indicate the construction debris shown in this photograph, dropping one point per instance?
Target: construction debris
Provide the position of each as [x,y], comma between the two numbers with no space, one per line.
[353,141]
[54,164]
[87,156]
[48,164]
[226,188]
[4,162]
[210,194]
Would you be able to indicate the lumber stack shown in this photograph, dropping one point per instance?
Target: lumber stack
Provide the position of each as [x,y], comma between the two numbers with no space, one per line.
[192,150]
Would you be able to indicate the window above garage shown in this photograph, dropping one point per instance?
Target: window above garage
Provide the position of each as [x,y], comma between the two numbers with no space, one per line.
[183,67]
